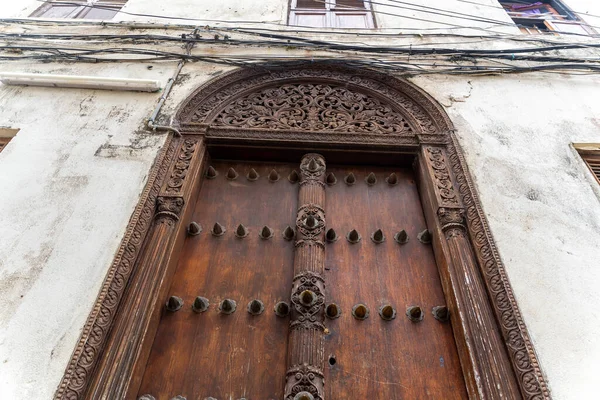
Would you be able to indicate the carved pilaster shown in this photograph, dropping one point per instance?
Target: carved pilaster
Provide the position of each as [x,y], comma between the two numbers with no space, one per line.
[307,343]
[482,352]
[140,307]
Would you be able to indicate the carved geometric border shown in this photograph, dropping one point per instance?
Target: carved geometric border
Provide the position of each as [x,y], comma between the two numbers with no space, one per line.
[524,359]
[97,327]
[214,95]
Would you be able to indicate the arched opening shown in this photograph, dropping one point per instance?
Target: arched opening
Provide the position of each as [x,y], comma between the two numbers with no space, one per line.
[337,121]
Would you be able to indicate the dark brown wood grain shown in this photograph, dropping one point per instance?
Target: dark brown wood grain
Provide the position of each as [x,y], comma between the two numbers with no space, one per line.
[378,359]
[238,355]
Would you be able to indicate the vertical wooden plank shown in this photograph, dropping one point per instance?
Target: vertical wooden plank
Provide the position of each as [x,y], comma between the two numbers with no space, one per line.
[376,358]
[211,354]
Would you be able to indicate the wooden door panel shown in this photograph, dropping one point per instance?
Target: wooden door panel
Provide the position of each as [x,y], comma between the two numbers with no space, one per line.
[238,355]
[379,359]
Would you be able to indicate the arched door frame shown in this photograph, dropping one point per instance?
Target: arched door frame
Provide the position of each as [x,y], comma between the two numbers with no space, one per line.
[496,353]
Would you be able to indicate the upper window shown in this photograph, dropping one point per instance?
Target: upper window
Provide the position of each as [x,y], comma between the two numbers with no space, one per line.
[590,152]
[332,13]
[544,16]
[90,9]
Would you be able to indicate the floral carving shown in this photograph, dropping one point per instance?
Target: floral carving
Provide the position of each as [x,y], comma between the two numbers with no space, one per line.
[180,169]
[443,184]
[312,107]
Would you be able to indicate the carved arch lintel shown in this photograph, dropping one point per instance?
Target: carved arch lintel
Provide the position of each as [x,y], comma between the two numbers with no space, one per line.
[465,248]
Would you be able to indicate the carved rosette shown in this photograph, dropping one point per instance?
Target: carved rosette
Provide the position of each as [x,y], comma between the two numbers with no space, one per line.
[307,344]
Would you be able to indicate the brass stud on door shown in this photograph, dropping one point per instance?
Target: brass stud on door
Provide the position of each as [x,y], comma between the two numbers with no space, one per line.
[332,311]
[392,179]
[241,231]
[371,179]
[378,236]
[350,179]
[424,237]
[414,313]
[308,298]
[217,229]
[211,173]
[353,236]
[227,306]
[293,177]
[360,311]
[441,313]
[256,307]
[180,398]
[282,309]
[231,174]
[304,396]
[147,397]
[387,312]
[289,233]
[401,237]
[200,304]
[252,175]
[194,229]
[266,233]
[174,303]
[331,179]
[273,176]
[331,236]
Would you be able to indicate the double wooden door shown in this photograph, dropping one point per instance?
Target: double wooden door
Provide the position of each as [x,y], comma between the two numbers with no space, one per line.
[301,282]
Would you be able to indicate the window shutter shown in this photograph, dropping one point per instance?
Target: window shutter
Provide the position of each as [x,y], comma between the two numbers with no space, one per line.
[591,155]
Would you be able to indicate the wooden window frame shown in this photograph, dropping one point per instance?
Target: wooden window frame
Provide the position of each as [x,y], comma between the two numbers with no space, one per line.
[83,7]
[590,153]
[331,14]
[6,135]
[496,354]
[561,17]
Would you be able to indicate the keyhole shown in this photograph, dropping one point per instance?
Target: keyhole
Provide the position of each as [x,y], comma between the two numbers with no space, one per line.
[332,360]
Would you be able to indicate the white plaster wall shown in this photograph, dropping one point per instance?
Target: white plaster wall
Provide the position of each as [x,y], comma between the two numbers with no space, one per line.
[69,182]
[542,204]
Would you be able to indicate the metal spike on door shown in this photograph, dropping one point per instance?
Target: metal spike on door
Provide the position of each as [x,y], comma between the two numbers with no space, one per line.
[241,231]
[227,306]
[256,307]
[211,173]
[350,179]
[378,236]
[331,236]
[392,179]
[194,229]
[252,175]
[331,179]
[401,237]
[371,179]
[266,233]
[273,176]
[353,236]
[289,233]
[293,177]
[200,304]
[424,237]
[217,229]
[174,303]
[232,174]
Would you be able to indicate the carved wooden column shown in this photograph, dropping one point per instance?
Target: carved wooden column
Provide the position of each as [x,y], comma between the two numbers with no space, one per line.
[304,378]
[125,352]
[484,359]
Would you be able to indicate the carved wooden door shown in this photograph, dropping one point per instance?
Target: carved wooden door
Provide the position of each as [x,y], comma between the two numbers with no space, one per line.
[304,282]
